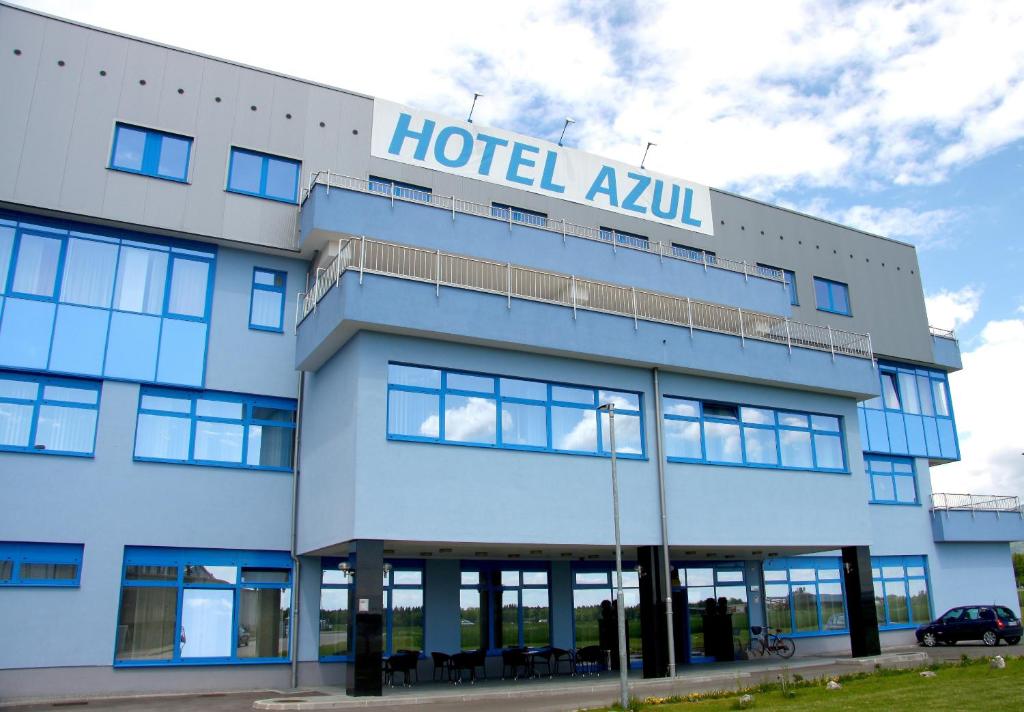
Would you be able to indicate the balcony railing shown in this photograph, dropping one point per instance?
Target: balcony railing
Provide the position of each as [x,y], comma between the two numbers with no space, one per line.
[942,501]
[442,269]
[943,333]
[455,205]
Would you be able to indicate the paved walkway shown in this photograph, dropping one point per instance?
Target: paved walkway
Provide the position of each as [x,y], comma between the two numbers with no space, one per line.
[542,695]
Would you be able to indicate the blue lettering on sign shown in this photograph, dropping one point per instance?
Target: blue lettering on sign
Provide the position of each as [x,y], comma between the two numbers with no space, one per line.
[402,132]
[605,183]
[687,207]
[670,214]
[517,160]
[490,143]
[547,181]
[642,182]
[442,143]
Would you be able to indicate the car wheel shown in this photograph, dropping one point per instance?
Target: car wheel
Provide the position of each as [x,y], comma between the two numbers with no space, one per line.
[1012,641]
[929,640]
[990,638]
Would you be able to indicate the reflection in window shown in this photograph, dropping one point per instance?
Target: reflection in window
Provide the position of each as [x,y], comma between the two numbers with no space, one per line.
[215,428]
[893,480]
[266,305]
[44,415]
[508,413]
[592,592]
[150,152]
[263,175]
[755,437]
[140,281]
[223,616]
[403,600]
[34,564]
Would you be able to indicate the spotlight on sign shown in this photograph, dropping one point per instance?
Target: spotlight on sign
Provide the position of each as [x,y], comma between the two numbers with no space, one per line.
[476,95]
[649,144]
[567,122]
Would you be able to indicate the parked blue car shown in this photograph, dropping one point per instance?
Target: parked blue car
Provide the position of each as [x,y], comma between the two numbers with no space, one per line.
[989,624]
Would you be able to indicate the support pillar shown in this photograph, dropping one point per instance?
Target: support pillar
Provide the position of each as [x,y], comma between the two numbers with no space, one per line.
[862,617]
[654,637]
[366,618]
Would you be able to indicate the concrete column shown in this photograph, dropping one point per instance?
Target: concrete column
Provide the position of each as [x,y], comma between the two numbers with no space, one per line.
[561,612]
[442,627]
[862,617]
[366,618]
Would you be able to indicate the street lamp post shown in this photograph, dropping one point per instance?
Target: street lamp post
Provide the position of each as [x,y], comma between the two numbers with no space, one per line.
[621,604]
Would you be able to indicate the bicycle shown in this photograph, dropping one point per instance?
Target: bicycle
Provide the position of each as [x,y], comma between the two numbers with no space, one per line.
[764,642]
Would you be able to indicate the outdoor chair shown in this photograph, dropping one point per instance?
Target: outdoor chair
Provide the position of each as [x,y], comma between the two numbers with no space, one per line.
[514,659]
[560,656]
[469,661]
[404,662]
[442,664]
[590,660]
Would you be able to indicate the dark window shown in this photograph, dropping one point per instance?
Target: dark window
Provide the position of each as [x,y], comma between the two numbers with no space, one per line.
[530,217]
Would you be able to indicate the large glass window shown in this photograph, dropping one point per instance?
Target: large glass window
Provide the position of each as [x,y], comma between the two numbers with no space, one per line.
[893,480]
[714,582]
[594,594]
[266,304]
[901,591]
[263,175]
[403,603]
[42,415]
[335,592]
[32,564]
[720,433]
[203,605]
[832,296]
[439,405]
[151,152]
[212,428]
[504,607]
[805,595]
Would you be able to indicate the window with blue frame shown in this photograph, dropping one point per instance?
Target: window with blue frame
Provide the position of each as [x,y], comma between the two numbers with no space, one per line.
[901,591]
[403,609]
[45,415]
[893,480]
[263,175]
[266,302]
[745,436]
[399,189]
[693,254]
[101,302]
[804,596]
[214,428]
[35,564]
[517,600]
[624,238]
[203,606]
[150,152]
[912,415]
[591,588]
[833,297]
[335,595]
[461,408]
[522,215]
[788,275]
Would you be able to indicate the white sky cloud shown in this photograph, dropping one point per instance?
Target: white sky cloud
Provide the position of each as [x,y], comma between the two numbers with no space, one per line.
[953,309]
[752,96]
[986,397]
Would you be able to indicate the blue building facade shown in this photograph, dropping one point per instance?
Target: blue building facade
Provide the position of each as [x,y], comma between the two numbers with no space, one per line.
[293,379]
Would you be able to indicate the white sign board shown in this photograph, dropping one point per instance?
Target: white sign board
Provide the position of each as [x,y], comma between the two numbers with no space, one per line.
[429,140]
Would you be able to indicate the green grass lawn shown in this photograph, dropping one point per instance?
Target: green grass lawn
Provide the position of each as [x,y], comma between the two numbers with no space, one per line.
[970,686]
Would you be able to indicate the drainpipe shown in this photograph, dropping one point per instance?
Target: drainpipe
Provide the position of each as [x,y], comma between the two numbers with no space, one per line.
[297,565]
[666,563]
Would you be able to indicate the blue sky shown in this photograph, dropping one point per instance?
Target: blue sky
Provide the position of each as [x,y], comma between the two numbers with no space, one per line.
[902,118]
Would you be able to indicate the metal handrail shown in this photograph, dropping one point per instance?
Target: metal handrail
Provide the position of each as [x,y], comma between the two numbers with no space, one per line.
[617,240]
[368,256]
[943,501]
[943,333]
